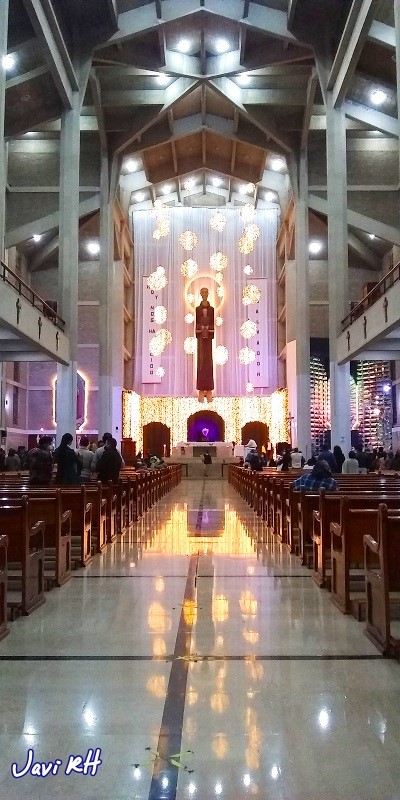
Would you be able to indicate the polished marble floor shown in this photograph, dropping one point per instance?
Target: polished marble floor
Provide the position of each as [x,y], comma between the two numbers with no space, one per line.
[204,663]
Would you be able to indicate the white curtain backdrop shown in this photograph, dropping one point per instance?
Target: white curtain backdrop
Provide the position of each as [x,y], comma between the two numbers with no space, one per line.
[180,369]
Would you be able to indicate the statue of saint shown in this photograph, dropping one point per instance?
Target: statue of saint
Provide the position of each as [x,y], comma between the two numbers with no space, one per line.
[204,335]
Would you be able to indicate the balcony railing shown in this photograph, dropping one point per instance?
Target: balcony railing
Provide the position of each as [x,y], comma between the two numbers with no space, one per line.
[8,276]
[375,294]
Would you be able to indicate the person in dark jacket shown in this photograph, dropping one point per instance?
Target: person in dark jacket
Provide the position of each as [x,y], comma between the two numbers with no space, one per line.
[110,463]
[326,455]
[13,463]
[69,465]
[39,461]
[339,456]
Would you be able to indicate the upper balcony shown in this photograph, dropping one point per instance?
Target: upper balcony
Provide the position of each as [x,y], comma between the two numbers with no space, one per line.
[372,329]
[30,330]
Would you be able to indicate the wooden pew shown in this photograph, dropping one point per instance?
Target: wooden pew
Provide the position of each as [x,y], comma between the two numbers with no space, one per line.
[25,559]
[57,534]
[4,629]
[382,581]
[347,547]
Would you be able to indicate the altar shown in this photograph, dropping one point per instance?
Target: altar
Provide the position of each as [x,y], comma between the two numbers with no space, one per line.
[217,450]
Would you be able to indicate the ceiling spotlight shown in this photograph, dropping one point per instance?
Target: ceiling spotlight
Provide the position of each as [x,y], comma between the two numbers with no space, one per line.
[270,197]
[378,97]
[183,45]
[243,188]
[189,183]
[139,197]
[277,164]
[166,190]
[93,248]
[315,247]
[216,181]
[371,235]
[9,61]
[131,165]
[243,79]
[221,45]
[36,237]
[162,79]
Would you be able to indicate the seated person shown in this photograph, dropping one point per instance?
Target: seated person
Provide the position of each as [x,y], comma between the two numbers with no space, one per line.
[320,477]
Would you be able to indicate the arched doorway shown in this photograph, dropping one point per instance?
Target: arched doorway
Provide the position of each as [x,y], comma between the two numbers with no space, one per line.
[258,431]
[205,426]
[157,439]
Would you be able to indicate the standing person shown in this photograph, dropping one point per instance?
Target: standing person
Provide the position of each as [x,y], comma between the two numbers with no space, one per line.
[326,455]
[69,465]
[100,450]
[2,458]
[363,460]
[297,458]
[350,464]
[206,461]
[110,463]
[40,462]
[320,477]
[21,451]
[13,463]
[339,457]
[87,457]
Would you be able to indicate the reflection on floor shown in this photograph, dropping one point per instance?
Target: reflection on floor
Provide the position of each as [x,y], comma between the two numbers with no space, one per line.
[204,663]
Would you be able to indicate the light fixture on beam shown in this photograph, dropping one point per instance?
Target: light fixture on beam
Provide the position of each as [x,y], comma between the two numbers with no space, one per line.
[8,62]
[277,164]
[131,165]
[183,45]
[189,183]
[36,237]
[162,79]
[269,197]
[217,181]
[166,190]
[93,248]
[243,79]
[378,96]
[315,247]
[221,45]
[139,197]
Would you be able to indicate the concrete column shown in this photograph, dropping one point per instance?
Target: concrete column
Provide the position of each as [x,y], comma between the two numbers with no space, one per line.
[337,270]
[106,300]
[396,6]
[302,312]
[117,346]
[68,263]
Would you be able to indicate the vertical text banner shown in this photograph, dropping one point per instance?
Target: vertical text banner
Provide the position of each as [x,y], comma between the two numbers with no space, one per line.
[150,363]
[259,368]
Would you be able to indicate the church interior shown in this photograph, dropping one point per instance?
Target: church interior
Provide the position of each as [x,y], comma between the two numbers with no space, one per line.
[200,256]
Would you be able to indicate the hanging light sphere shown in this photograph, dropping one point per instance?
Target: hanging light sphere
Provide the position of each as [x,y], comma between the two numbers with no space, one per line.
[188,240]
[246,245]
[221,355]
[251,294]
[219,277]
[218,222]
[160,314]
[160,371]
[248,213]
[219,291]
[219,321]
[189,318]
[252,232]
[189,268]
[156,346]
[157,280]
[189,345]
[218,261]
[248,270]
[248,329]
[249,388]
[246,355]
[190,298]
[157,234]
[165,335]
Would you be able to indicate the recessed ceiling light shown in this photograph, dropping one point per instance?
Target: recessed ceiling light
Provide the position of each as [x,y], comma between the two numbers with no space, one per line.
[183,45]
[269,196]
[36,237]
[243,188]
[166,190]
[371,235]
[139,197]
[162,79]
[243,79]
[378,97]
[131,165]
[93,248]
[189,183]
[315,247]
[216,181]
[8,61]
[277,164]
[221,45]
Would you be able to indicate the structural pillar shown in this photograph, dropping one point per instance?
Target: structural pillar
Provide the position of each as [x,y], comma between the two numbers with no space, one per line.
[3,159]
[337,271]
[302,311]
[396,6]
[106,300]
[68,264]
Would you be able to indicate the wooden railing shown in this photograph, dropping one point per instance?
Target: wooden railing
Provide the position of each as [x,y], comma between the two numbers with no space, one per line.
[10,277]
[375,294]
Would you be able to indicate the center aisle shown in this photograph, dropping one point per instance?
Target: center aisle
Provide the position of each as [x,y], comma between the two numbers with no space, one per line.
[205,663]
